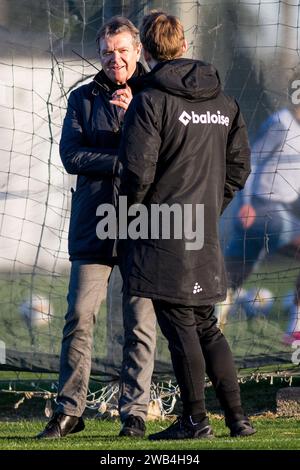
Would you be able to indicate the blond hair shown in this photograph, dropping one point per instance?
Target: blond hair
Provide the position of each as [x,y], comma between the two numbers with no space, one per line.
[162,35]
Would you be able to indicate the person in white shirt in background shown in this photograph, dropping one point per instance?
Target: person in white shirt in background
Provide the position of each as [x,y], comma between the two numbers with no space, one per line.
[269,215]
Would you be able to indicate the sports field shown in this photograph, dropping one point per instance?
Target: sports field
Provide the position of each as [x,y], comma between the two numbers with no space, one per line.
[261,337]
[18,426]
[272,433]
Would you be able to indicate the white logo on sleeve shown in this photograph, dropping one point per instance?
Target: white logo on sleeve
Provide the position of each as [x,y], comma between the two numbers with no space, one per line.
[205,118]
[197,288]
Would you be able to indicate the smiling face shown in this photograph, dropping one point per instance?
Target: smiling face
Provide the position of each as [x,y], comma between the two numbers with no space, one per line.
[119,55]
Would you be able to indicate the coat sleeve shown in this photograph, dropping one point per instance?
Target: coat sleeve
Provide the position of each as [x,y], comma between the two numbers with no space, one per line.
[238,157]
[77,158]
[139,149]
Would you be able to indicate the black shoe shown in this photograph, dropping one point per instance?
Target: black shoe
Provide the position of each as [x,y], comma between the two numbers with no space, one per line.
[133,426]
[241,428]
[60,425]
[184,428]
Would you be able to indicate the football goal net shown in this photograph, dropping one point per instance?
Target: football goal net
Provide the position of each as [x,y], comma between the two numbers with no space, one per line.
[254,44]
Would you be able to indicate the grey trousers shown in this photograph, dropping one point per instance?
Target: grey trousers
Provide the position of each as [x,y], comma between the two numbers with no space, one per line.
[87,289]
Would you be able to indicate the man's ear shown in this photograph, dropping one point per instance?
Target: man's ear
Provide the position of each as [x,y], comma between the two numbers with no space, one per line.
[139,50]
[184,46]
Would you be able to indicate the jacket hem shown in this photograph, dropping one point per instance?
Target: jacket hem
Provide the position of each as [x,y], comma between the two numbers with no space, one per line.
[176,300]
[99,260]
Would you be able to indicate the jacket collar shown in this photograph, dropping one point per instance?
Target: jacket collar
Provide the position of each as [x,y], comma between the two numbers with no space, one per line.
[105,84]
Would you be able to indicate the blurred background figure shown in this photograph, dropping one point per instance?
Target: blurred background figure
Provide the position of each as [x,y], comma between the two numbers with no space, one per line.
[268,217]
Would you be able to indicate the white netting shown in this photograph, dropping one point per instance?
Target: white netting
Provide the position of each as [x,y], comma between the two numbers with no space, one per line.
[254,45]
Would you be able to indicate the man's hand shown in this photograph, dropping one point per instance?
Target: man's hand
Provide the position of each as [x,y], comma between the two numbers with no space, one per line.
[247,215]
[122,97]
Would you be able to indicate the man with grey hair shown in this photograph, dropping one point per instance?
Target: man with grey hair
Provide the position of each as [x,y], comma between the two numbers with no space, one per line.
[89,148]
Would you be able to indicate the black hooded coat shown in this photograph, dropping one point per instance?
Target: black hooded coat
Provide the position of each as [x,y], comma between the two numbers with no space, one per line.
[185,144]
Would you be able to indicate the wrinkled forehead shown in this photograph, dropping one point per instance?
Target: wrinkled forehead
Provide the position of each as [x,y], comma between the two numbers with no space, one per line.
[117,41]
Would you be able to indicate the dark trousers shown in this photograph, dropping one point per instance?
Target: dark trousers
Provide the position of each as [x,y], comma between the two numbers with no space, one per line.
[196,344]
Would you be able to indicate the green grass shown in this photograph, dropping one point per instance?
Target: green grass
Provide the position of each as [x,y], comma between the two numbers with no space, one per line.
[279,433]
[19,426]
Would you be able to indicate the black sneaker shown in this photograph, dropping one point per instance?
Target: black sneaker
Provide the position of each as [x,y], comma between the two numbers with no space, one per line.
[133,426]
[184,428]
[241,428]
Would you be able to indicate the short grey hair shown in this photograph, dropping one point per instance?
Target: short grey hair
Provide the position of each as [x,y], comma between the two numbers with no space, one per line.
[116,25]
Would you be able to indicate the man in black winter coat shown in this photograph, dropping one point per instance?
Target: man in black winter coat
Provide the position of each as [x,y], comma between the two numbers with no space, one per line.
[184,153]
[89,148]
